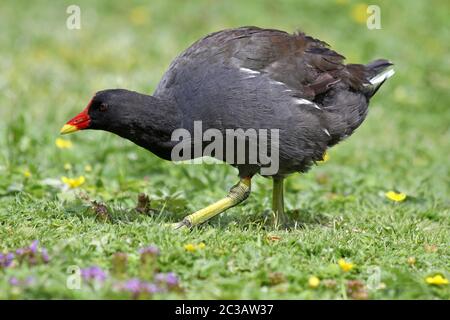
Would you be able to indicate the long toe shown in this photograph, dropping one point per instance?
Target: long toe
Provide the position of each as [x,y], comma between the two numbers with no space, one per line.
[178,226]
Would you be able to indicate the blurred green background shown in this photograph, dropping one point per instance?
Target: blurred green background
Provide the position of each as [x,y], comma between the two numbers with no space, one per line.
[48,73]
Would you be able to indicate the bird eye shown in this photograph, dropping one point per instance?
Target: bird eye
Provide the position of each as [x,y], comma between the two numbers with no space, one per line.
[103,107]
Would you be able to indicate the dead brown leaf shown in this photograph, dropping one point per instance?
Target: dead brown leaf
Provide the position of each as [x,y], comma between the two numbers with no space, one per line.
[101,211]
[143,205]
[356,289]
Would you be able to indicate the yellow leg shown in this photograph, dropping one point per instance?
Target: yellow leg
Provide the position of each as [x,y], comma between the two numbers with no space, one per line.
[237,194]
[278,202]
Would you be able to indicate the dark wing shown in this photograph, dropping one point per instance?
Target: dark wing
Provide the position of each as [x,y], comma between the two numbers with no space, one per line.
[317,98]
[303,63]
[312,71]
[306,65]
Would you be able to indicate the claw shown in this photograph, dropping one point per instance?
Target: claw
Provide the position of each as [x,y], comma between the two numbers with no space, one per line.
[179,226]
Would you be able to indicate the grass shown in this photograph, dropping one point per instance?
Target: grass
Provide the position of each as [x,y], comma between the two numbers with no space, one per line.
[49,73]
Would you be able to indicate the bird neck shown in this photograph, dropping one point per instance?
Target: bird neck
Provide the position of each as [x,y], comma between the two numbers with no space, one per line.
[150,124]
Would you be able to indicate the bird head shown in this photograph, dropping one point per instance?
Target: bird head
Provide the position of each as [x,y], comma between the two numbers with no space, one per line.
[107,109]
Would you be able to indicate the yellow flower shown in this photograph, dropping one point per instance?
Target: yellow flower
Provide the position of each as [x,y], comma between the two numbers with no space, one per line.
[381,286]
[67,166]
[411,261]
[345,266]
[27,173]
[359,13]
[63,143]
[313,282]
[201,245]
[437,280]
[87,168]
[396,196]
[189,247]
[325,157]
[194,247]
[75,182]
[139,15]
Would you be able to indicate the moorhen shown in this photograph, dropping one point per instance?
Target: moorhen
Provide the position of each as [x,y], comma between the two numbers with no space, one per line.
[245,79]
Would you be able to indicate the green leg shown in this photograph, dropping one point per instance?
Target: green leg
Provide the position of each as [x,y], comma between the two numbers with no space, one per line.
[278,202]
[237,194]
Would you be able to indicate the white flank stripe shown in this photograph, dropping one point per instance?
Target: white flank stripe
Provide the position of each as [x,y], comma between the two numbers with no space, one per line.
[277,82]
[327,132]
[249,71]
[304,101]
[382,76]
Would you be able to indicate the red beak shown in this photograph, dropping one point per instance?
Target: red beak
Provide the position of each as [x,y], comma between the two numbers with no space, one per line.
[80,122]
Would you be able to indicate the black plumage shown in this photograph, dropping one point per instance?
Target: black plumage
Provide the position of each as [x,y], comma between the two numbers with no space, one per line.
[249,78]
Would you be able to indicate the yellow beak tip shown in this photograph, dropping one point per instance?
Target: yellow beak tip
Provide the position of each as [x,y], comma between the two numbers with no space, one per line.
[68,128]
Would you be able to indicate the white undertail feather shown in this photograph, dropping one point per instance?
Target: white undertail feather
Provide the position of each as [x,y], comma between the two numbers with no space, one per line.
[379,78]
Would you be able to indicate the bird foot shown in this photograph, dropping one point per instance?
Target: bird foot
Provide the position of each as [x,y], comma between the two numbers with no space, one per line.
[179,226]
[281,221]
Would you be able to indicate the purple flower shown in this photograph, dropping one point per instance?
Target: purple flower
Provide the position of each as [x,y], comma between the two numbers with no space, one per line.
[172,280]
[34,246]
[169,279]
[29,281]
[138,287]
[2,260]
[150,250]
[160,278]
[150,288]
[86,274]
[9,259]
[14,281]
[44,255]
[133,285]
[6,259]
[31,255]
[93,273]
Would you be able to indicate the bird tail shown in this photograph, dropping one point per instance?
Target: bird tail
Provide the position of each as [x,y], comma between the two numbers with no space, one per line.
[378,72]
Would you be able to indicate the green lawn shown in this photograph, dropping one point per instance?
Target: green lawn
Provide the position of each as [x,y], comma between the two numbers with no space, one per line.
[48,74]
